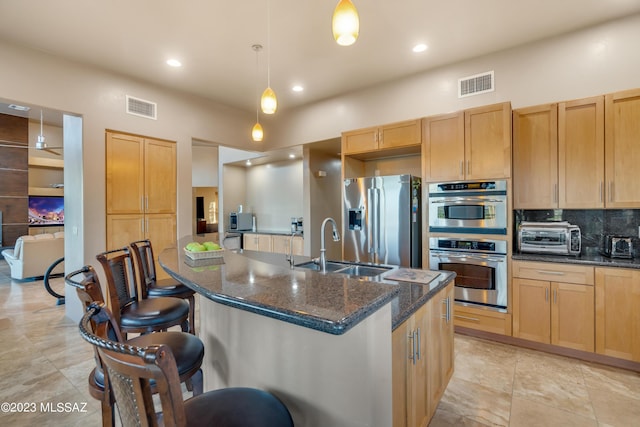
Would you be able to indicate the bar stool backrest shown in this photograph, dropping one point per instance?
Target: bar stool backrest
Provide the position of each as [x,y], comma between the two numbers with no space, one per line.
[121,279]
[143,254]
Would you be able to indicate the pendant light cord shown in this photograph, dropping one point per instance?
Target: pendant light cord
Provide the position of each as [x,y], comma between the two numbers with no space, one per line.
[268,44]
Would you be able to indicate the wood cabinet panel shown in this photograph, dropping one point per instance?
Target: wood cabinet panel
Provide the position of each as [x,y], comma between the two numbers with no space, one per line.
[124,174]
[281,244]
[122,229]
[622,154]
[487,136]
[359,141]
[535,154]
[546,271]
[443,158]
[581,153]
[548,311]
[531,305]
[160,176]
[482,320]
[400,134]
[572,316]
[422,360]
[617,316]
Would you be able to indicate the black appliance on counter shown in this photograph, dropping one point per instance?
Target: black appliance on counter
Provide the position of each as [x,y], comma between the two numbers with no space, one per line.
[617,247]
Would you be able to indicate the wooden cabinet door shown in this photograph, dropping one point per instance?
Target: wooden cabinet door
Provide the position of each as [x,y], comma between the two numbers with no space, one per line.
[161,231]
[487,138]
[531,310]
[418,414]
[124,174]
[440,352]
[443,147]
[399,373]
[400,134]
[572,316]
[124,229]
[617,314]
[250,242]
[359,141]
[581,153]
[622,155]
[535,157]
[160,176]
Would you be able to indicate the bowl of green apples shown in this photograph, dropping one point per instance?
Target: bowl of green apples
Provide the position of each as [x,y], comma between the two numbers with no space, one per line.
[197,250]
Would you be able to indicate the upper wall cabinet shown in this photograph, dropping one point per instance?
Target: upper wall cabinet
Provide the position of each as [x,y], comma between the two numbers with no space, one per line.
[535,153]
[474,144]
[380,138]
[558,152]
[597,154]
[622,149]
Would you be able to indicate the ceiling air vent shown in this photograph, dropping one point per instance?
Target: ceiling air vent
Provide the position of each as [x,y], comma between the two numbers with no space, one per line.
[142,108]
[477,84]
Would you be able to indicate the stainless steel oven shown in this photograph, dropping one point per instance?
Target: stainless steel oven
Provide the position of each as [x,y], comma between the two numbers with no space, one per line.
[468,207]
[480,266]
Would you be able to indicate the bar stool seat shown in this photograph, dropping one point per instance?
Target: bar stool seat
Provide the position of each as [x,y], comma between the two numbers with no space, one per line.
[153,287]
[236,406]
[153,314]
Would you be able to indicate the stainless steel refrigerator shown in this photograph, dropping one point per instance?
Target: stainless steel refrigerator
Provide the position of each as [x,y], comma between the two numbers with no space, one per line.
[382,220]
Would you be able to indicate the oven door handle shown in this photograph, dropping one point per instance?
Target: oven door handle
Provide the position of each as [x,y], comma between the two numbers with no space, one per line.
[461,200]
[477,258]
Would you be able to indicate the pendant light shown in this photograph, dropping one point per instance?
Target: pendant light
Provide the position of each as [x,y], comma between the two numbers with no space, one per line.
[268,101]
[345,23]
[256,132]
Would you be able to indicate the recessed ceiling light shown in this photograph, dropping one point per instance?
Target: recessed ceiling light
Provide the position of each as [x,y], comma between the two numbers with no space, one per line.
[19,107]
[174,63]
[292,156]
[297,88]
[248,163]
[420,48]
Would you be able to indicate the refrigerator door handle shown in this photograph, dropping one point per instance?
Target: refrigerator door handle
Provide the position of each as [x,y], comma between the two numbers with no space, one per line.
[369,221]
[376,224]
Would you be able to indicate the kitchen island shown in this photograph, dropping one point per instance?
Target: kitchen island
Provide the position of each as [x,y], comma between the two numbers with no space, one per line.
[320,342]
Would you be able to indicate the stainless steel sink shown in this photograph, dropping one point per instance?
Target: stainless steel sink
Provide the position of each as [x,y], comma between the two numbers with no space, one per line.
[349,268]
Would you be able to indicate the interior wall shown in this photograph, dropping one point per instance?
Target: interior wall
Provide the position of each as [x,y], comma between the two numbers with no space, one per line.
[585,63]
[235,187]
[204,166]
[274,194]
[324,200]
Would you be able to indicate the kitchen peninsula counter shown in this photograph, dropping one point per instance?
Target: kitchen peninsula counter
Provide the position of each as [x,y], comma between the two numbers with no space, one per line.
[320,342]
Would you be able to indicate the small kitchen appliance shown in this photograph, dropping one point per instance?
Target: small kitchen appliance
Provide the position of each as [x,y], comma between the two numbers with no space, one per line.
[239,221]
[555,238]
[617,247]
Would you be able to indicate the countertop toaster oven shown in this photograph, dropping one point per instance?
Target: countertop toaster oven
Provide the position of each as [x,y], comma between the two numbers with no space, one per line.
[558,238]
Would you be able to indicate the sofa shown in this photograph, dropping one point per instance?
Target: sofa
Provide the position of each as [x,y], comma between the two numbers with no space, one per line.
[33,255]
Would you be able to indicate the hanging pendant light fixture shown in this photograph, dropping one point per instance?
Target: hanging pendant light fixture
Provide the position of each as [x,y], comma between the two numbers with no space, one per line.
[257,133]
[345,23]
[268,100]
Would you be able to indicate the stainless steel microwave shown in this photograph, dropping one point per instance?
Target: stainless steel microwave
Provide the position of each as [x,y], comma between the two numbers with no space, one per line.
[240,221]
[468,207]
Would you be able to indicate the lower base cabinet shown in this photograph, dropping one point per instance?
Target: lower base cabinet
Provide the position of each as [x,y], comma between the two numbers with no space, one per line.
[482,319]
[558,311]
[422,356]
[273,243]
[618,313]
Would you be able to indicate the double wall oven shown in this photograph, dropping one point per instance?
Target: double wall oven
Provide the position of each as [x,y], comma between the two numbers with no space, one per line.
[458,212]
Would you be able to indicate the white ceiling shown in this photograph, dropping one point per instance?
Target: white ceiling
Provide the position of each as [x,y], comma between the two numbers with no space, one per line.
[213,39]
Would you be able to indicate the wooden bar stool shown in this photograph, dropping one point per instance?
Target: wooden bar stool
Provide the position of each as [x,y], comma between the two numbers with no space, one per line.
[132,313]
[132,370]
[189,349]
[152,287]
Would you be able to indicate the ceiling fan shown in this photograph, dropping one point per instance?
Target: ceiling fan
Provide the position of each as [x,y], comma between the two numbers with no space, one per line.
[40,142]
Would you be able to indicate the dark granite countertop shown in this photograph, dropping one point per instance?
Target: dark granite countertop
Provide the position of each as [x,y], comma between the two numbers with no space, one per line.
[263,283]
[592,258]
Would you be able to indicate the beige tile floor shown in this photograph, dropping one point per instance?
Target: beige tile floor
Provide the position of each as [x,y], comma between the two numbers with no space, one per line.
[43,361]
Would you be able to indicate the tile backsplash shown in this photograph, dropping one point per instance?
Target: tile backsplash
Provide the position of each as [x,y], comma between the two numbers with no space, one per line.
[594,223]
